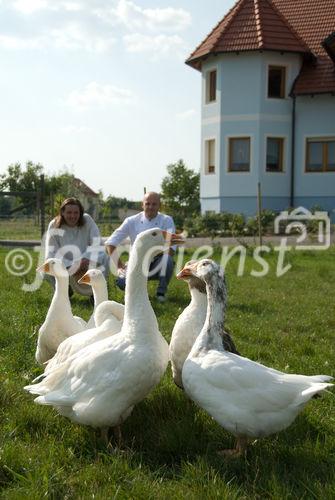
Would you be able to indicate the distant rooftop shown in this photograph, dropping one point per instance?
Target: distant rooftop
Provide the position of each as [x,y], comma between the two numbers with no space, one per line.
[299,26]
[84,188]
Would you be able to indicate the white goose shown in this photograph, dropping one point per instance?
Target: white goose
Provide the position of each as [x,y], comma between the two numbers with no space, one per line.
[96,279]
[107,325]
[247,398]
[99,385]
[189,324]
[59,322]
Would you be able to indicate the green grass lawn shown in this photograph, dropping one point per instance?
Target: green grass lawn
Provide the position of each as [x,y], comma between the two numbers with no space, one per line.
[19,229]
[29,229]
[170,444]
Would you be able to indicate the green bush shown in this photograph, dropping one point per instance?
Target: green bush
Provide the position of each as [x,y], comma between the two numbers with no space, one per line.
[228,224]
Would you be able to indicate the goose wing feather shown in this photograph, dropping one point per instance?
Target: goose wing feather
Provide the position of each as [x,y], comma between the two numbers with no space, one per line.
[228,343]
[102,381]
[245,396]
[80,340]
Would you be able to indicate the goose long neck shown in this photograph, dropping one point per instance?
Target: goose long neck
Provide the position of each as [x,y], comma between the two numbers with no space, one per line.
[137,303]
[61,295]
[210,336]
[198,298]
[100,293]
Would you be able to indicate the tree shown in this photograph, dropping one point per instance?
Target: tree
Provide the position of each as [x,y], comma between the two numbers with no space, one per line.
[110,206]
[6,205]
[24,181]
[18,179]
[62,186]
[27,180]
[181,192]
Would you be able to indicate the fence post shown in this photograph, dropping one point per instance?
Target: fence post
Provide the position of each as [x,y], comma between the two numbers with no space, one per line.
[42,205]
[259,209]
[52,205]
[38,208]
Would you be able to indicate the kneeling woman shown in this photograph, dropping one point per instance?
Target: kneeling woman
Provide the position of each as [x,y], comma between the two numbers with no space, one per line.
[74,237]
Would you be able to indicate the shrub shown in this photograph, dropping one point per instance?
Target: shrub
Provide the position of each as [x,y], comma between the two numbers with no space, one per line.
[228,224]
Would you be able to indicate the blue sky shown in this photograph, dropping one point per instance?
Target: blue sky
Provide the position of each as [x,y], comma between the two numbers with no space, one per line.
[100,87]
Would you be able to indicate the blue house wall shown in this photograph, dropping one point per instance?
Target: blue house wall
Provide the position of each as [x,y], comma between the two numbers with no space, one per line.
[315,118]
[242,108]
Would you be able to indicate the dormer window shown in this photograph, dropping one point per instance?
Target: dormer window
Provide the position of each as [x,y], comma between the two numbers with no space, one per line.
[276,82]
[211,86]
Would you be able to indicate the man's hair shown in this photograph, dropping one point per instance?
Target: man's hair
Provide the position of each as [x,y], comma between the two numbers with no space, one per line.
[59,221]
[150,193]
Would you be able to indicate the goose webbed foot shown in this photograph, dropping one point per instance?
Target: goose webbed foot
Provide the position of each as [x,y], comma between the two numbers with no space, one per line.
[239,450]
[106,439]
[118,435]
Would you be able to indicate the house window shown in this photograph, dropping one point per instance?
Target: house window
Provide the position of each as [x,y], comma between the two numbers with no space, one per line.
[239,154]
[276,82]
[320,155]
[211,86]
[274,154]
[210,156]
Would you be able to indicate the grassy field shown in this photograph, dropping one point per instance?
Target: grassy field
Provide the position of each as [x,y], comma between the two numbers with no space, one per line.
[29,229]
[19,229]
[169,444]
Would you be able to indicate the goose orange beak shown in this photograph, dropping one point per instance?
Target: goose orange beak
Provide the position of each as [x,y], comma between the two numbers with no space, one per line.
[187,271]
[44,268]
[184,273]
[85,279]
[172,238]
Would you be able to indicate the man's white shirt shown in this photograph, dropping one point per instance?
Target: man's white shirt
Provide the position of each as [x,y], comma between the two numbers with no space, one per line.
[136,224]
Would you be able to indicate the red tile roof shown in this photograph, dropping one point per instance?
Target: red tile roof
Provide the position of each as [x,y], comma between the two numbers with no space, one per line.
[314,20]
[281,25]
[84,188]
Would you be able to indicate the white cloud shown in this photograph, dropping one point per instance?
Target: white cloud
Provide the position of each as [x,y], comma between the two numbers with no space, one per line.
[74,129]
[97,95]
[71,37]
[17,43]
[72,6]
[75,36]
[135,17]
[185,115]
[30,6]
[158,46]
[92,25]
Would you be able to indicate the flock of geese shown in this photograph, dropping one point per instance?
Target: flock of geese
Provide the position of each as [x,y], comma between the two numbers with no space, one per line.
[96,372]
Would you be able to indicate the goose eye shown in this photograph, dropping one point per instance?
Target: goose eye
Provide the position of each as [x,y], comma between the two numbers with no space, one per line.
[154,233]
